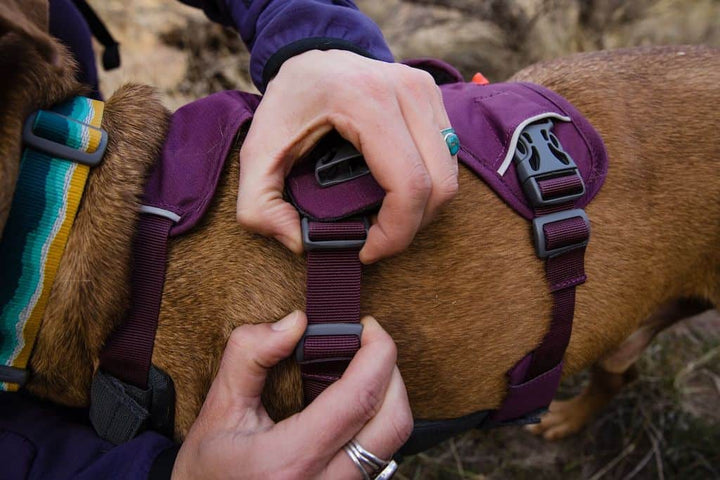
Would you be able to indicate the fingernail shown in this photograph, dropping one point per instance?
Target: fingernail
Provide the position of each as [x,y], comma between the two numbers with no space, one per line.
[285,323]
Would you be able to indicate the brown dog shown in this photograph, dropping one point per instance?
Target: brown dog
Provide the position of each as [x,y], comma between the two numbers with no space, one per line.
[468,298]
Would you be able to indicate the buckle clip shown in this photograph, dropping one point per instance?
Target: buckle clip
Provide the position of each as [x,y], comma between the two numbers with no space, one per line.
[311,245]
[326,330]
[340,163]
[539,157]
[59,150]
[540,241]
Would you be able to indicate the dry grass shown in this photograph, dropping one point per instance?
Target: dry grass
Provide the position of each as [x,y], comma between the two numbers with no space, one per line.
[664,425]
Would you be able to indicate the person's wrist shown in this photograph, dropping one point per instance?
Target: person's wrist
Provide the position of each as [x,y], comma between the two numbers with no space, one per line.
[276,61]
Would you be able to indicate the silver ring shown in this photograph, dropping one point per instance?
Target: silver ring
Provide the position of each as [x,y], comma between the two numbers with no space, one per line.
[369,463]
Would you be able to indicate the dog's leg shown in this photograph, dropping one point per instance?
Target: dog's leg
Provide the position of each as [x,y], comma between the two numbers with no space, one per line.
[611,373]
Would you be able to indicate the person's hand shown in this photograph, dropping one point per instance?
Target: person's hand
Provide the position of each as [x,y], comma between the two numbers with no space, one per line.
[392,114]
[233,436]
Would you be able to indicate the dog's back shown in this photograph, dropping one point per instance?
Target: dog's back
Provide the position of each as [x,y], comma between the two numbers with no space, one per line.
[469,298]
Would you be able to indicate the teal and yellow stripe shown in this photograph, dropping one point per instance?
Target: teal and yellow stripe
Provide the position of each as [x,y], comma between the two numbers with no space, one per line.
[46,200]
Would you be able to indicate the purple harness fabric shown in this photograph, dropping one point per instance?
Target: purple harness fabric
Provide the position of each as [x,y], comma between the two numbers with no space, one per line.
[488,119]
[182,183]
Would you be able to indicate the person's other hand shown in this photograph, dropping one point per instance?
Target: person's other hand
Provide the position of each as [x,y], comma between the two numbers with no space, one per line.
[392,114]
[233,436]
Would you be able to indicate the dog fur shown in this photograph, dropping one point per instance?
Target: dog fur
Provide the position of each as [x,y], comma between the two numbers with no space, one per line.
[463,303]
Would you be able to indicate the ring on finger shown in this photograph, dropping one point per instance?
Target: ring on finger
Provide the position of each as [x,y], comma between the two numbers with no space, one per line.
[451,140]
[369,463]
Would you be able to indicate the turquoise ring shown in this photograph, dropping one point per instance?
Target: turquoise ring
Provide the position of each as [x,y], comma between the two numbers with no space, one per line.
[451,139]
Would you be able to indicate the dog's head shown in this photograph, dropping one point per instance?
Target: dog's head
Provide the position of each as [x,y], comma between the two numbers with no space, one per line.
[38,71]
[28,25]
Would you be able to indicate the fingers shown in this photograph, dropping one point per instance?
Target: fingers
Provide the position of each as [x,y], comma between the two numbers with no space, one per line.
[392,113]
[424,112]
[393,158]
[251,350]
[346,406]
[384,434]
[286,124]
[417,183]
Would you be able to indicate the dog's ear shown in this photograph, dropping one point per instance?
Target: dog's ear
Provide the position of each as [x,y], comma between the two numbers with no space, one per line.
[28,19]
[37,70]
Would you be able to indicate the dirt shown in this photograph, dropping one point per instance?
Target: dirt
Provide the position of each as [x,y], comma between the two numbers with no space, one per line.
[667,423]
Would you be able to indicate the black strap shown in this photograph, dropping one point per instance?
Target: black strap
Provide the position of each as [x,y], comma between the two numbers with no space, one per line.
[111,54]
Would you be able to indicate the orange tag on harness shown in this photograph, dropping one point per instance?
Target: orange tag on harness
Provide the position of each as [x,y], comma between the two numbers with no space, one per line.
[480,79]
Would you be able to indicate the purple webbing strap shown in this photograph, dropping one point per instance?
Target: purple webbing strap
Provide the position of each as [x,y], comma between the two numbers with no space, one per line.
[535,378]
[560,186]
[333,296]
[563,273]
[127,354]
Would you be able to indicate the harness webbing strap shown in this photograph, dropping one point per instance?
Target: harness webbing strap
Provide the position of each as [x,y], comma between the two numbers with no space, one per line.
[333,297]
[535,378]
[60,146]
[561,270]
[127,354]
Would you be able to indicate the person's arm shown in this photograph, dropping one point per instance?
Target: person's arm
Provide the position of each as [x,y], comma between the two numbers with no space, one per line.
[276,30]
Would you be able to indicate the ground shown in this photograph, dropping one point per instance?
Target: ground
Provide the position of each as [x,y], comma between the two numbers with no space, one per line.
[667,423]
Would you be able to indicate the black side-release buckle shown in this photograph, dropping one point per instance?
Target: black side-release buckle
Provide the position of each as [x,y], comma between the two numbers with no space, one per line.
[339,163]
[539,158]
[324,330]
[120,411]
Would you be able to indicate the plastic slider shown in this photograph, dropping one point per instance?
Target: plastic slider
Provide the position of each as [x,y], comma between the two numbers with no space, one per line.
[9,374]
[311,245]
[539,156]
[59,150]
[539,223]
[325,330]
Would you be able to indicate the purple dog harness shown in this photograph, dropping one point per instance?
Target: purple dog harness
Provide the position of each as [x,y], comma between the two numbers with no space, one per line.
[533,148]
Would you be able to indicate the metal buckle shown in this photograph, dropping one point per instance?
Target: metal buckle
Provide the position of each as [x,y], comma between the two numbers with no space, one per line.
[325,330]
[539,235]
[311,245]
[341,163]
[540,156]
[63,151]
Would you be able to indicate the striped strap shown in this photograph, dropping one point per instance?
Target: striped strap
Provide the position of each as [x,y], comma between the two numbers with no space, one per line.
[46,200]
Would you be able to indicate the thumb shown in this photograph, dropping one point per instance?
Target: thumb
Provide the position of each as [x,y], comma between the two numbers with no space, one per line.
[250,352]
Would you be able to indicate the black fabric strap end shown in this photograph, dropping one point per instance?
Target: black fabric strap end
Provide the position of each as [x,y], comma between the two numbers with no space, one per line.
[163,465]
[272,66]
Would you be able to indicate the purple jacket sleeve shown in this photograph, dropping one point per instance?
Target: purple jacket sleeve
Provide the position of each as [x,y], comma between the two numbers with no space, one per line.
[275,30]
[41,440]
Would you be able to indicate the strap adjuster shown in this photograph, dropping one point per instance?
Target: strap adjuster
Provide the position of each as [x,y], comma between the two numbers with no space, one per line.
[311,245]
[59,150]
[573,238]
[547,173]
[10,374]
[326,330]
